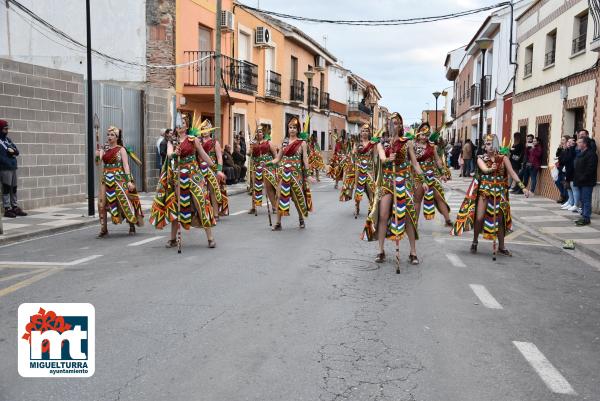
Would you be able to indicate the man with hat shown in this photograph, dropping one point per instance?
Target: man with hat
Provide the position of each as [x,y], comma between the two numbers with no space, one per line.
[8,173]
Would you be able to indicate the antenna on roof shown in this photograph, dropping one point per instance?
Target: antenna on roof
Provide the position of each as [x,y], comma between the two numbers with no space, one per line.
[325,41]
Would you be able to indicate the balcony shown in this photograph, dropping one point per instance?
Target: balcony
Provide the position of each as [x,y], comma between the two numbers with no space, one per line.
[550,58]
[239,76]
[296,91]
[487,91]
[272,84]
[528,69]
[324,105]
[595,11]
[579,44]
[313,96]
[358,113]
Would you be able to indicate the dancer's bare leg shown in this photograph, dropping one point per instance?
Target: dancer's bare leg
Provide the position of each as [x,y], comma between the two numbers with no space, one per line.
[385,209]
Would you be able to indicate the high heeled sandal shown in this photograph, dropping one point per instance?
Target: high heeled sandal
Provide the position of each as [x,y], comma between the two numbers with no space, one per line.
[212,243]
[380,258]
[505,252]
[252,211]
[356,212]
[474,247]
[103,233]
[131,229]
[276,227]
[172,243]
[413,259]
[449,223]
[301,223]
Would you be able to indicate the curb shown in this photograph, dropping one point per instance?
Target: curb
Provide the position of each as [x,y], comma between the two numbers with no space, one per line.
[9,239]
[554,238]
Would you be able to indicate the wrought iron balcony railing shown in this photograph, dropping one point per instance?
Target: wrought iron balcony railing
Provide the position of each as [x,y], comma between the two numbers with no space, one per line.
[579,43]
[238,75]
[528,69]
[313,96]
[296,91]
[324,101]
[550,58]
[272,84]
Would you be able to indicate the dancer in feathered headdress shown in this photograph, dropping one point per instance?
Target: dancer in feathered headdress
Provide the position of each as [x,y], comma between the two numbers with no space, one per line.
[486,206]
[392,213]
[293,172]
[182,198]
[118,194]
[434,176]
[359,179]
[337,162]
[315,158]
[216,187]
[263,175]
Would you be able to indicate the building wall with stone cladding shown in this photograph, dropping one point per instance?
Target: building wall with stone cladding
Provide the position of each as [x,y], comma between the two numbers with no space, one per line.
[46,112]
[160,42]
[157,117]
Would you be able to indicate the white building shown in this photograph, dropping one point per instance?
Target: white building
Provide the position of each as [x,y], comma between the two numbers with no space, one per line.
[556,81]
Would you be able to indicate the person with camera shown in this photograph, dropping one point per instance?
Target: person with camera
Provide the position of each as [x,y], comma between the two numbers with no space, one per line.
[8,173]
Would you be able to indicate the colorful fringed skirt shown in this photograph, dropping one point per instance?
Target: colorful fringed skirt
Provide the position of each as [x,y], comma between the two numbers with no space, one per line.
[195,209]
[400,183]
[497,206]
[216,188]
[293,187]
[315,160]
[122,204]
[432,179]
[261,173]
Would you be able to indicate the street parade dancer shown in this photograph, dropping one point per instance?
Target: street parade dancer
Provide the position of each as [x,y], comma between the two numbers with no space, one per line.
[337,163]
[263,175]
[434,175]
[315,159]
[293,171]
[359,179]
[182,197]
[486,205]
[216,185]
[118,194]
[392,214]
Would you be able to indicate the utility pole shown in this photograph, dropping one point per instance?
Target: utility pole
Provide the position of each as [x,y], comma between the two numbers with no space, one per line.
[90,114]
[218,124]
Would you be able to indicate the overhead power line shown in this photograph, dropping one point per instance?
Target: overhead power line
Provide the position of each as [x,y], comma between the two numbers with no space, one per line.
[380,22]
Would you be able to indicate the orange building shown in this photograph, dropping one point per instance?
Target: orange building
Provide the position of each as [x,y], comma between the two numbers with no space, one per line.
[195,83]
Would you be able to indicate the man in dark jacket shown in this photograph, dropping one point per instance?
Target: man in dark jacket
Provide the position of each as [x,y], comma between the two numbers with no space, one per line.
[8,173]
[517,153]
[586,166]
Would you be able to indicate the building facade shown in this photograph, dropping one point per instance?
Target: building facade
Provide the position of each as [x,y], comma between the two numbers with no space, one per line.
[557,77]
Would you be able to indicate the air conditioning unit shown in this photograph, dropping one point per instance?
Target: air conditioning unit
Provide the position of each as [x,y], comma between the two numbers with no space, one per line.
[262,37]
[319,63]
[227,21]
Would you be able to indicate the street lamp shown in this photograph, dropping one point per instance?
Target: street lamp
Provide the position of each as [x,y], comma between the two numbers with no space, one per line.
[372,104]
[483,44]
[436,94]
[309,76]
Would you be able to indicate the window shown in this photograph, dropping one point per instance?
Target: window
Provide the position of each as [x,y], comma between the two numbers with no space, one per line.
[550,56]
[294,70]
[528,67]
[523,132]
[580,33]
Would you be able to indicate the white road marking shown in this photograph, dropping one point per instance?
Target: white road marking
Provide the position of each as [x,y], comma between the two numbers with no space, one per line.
[145,241]
[455,260]
[82,260]
[485,297]
[238,213]
[547,372]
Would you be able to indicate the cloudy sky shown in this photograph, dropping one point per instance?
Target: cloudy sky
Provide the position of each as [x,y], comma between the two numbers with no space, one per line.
[404,62]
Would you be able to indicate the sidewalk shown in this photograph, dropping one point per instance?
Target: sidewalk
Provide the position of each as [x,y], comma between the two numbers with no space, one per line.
[55,219]
[544,216]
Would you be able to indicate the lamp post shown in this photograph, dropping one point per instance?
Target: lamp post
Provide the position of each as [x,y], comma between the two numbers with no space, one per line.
[484,44]
[90,113]
[309,76]
[372,104]
[436,94]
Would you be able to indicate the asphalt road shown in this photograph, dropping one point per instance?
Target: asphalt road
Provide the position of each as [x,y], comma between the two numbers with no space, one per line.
[306,315]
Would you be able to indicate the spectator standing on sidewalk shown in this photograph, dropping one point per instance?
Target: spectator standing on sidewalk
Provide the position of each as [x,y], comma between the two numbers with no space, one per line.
[455,155]
[229,167]
[586,165]
[560,180]
[532,165]
[239,159]
[467,155]
[517,154]
[8,173]
[566,166]
[583,133]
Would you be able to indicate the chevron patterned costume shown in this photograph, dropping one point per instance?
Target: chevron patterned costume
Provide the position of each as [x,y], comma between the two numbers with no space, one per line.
[426,158]
[293,185]
[494,188]
[360,175]
[402,183]
[195,209]
[219,190]
[121,203]
[261,156]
